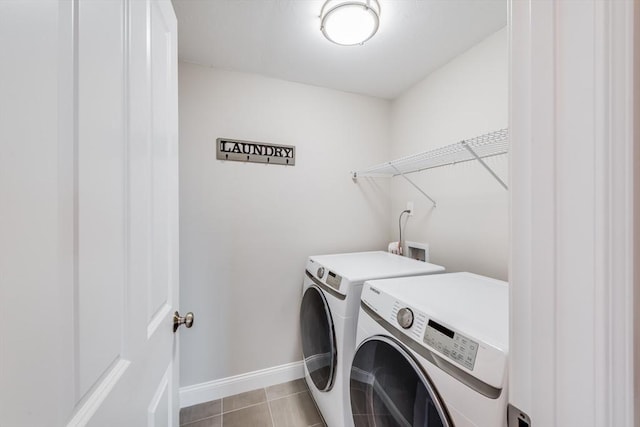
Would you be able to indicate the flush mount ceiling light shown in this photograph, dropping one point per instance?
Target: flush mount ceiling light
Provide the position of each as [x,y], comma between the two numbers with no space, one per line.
[349,22]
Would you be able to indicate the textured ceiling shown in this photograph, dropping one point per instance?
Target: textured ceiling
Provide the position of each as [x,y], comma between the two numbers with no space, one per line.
[282,39]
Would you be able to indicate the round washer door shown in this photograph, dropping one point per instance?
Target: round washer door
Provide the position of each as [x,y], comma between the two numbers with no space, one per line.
[388,388]
[318,338]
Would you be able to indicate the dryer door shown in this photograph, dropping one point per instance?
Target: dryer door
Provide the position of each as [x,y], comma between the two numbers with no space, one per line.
[318,338]
[388,388]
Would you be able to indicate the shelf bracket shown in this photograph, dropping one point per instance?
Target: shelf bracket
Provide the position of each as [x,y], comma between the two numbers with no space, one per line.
[412,183]
[473,153]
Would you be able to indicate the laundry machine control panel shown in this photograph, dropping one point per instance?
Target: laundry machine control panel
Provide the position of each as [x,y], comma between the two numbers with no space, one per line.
[452,344]
[333,280]
[405,317]
[441,328]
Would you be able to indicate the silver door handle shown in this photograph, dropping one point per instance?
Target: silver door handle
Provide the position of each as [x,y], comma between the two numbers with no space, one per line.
[187,320]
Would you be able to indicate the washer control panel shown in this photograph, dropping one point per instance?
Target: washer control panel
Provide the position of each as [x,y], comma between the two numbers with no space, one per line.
[476,349]
[333,280]
[453,345]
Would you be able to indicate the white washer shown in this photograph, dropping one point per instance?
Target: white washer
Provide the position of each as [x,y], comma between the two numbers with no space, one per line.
[328,316]
[432,351]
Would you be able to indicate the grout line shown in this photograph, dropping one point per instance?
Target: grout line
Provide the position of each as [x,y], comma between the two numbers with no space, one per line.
[273,423]
[268,402]
[306,388]
[288,395]
[315,404]
[202,419]
[244,407]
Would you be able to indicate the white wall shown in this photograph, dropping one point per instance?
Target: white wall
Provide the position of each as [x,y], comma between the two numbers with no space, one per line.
[247,229]
[468,230]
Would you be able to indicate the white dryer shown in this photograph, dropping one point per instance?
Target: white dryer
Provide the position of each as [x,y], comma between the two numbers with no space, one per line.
[432,351]
[328,316]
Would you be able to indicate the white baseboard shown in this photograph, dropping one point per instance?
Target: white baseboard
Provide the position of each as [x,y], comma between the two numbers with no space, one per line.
[217,389]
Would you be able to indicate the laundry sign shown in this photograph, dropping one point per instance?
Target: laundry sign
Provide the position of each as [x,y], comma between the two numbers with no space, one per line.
[256,152]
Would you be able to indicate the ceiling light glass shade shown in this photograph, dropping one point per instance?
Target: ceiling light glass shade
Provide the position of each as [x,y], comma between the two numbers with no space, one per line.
[349,22]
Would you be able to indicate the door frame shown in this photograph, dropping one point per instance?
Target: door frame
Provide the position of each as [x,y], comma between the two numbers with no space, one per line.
[573,170]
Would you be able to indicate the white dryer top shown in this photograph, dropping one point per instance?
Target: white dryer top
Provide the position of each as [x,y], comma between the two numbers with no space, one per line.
[360,266]
[476,305]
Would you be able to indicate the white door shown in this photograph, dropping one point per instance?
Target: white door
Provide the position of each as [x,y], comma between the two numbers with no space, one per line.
[88,213]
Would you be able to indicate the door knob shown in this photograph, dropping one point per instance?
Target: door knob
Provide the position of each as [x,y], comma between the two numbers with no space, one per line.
[187,320]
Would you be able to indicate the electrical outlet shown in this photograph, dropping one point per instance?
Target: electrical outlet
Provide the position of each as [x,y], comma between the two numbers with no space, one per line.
[410,208]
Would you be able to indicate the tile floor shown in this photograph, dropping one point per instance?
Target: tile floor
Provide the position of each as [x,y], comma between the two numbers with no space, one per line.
[283,405]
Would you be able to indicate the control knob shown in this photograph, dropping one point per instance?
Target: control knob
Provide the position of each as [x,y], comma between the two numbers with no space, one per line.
[320,272]
[405,317]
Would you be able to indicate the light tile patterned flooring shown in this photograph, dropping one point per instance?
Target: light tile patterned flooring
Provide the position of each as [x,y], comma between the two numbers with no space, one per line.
[283,405]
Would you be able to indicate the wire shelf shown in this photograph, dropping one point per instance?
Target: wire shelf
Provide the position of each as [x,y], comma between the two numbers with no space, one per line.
[478,148]
[488,145]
